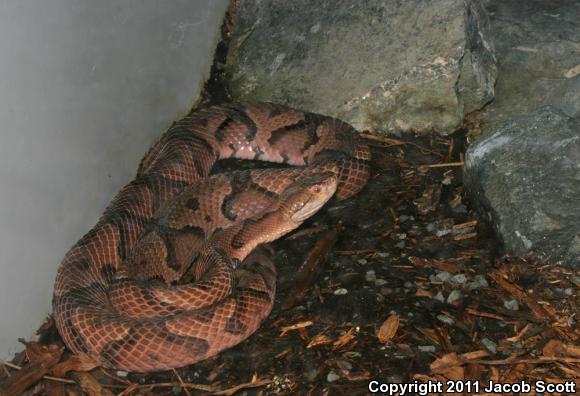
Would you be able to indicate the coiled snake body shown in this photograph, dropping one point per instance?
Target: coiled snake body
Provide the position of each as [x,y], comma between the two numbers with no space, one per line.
[169,275]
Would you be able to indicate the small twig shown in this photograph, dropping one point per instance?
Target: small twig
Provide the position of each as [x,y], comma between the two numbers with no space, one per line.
[296,326]
[387,141]
[396,142]
[484,314]
[465,236]
[5,370]
[11,365]
[425,150]
[58,379]
[442,165]
[181,381]
[539,360]
[354,252]
[254,383]
[467,224]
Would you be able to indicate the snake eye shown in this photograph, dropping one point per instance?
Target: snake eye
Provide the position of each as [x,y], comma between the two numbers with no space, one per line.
[317,189]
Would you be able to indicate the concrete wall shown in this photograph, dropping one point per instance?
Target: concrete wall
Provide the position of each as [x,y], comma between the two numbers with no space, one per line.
[85,87]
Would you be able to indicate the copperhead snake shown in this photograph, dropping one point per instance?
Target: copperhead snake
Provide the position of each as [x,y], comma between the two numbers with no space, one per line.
[170,275]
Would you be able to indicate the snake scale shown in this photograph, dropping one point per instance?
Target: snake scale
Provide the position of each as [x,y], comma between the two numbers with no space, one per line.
[172,273]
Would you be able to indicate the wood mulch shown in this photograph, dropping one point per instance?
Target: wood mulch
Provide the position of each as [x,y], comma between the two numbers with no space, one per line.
[402,283]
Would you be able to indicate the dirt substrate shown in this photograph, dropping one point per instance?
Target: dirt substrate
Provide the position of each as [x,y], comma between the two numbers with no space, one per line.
[401,283]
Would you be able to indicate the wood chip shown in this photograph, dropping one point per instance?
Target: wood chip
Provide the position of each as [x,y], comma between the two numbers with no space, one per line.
[520,294]
[558,348]
[90,385]
[423,293]
[449,365]
[465,236]
[469,224]
[296,326]
[306,274]
[520,334]
[389,328]
[74,363]
[42,360]
[345,339]
[319,339]
[475,312]
[474,355]
[442,265]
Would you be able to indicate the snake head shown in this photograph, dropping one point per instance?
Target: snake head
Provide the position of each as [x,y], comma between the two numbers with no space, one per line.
[307,195]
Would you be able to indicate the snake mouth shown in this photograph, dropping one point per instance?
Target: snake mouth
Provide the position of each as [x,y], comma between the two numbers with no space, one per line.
[317,191]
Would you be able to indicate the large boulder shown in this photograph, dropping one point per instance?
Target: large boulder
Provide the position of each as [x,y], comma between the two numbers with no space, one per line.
[525,178]
[377,64]
[536,42]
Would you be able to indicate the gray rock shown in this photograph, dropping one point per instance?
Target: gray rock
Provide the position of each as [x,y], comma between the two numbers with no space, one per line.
[536,42]
[446,319]
[439,297]
[377,64]
[380,282]
[431,227]
[344,365]
[311,374]
[443,276]
[453,296]
[442,233]
[525,178]
[512,304]
[426,348]
[479,281]
[460,279]
[332,376]
[489,345]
